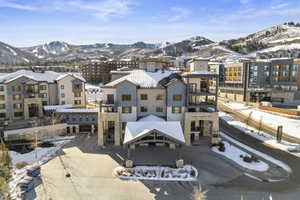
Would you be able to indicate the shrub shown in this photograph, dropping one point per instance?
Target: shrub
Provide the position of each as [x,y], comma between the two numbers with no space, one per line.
[21,164]
[249,159]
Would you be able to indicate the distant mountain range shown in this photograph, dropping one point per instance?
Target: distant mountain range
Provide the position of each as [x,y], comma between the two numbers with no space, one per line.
[277,41]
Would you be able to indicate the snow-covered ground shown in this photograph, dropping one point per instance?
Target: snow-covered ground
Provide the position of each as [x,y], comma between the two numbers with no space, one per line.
[34,158]
[186,173]
[260,135]
[290,126]
[40,155]
[233,153]
[255,152]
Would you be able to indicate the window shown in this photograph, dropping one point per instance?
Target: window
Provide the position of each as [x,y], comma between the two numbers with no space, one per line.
[2,115]
[16,97]
[18,114]
[77,94]
[159,97]
[144,109]
[77,102]
[77,86]
[126,109]
[110,99]
[43,95]
[159,109]
[144,96]
[63,102]
[43,87]
[16,88]
[176,109]
[2,97]
[17,105]
[62,87]
[2,106]
[62,95]
[124,126]
[177,97]
[192,87]
[126,97]
[1,88]
[44,103]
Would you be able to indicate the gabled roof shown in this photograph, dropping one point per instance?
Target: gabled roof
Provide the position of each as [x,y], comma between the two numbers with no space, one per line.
[139,129]
[47,76]
[142,78]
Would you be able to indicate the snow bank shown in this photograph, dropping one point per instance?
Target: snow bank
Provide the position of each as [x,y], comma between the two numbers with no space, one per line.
[265,156]
[40,154]
[186,173]
[290,126]
[260,135]
[233,153]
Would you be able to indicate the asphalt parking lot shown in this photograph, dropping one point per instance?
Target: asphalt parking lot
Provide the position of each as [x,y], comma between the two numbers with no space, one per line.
[92,177]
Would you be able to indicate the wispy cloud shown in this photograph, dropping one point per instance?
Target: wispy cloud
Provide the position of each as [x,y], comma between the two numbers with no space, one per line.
[244,1]
[279,6]
[10,4]
[103,9]
[179,13]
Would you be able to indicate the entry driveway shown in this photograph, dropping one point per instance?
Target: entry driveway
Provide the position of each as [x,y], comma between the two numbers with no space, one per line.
[92,177]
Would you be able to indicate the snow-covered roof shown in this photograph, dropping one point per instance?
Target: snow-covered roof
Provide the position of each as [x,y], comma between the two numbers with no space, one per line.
[78,110]
[142,78]
[138,129]
[47,76]
[151,118]
[56,107]
[199,72]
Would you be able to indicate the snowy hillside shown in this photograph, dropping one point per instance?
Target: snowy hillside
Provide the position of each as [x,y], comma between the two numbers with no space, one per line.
[9,54]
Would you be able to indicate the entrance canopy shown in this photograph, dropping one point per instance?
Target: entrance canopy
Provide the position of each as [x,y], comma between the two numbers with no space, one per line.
[171,130]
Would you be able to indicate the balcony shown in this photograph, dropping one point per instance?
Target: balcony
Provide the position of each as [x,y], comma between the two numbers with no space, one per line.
[202,91]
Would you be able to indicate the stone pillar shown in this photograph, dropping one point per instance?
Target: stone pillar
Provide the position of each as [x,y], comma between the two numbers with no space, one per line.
[172,146]
[40,106]
[100,133]
[117,133]
[206,128]
[77,129]
[26,111]
[187,131]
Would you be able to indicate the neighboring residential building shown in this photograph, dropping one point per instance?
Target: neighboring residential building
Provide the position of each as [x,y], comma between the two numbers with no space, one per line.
[163,107]
[123,63]
[155,64]
[24,93]
[198,64]
[261,80]
[97,72]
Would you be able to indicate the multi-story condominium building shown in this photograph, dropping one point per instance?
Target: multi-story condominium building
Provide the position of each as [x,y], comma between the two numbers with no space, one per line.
[24,93]
[123,63]
[96,72]
[260,80]
[163,107]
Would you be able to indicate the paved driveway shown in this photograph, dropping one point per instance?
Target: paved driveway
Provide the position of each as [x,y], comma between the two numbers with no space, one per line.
[91,170]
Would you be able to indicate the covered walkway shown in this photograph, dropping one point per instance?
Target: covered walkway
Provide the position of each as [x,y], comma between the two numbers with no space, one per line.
[153,131]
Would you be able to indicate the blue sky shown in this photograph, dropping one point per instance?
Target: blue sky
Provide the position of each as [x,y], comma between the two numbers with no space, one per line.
[31,22]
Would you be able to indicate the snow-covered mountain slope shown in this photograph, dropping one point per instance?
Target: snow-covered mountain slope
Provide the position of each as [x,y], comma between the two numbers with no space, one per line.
[10,54]
[276,35]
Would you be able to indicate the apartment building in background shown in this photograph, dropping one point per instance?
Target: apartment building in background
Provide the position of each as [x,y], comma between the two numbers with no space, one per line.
[24,93]
[159,108]
[260,80]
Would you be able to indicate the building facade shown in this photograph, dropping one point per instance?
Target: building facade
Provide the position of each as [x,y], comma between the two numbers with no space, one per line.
[97,72]
[163,107]
[24,93]
[261,80]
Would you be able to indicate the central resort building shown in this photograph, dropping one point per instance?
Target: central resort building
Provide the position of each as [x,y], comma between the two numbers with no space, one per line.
[162,108]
